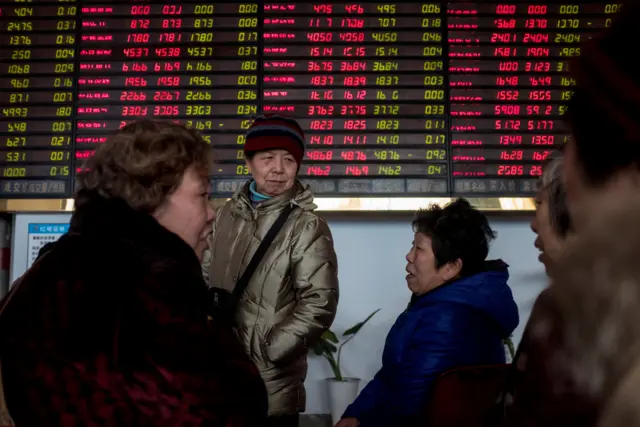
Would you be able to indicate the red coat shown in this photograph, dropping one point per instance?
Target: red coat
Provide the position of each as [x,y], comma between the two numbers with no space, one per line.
[111,329]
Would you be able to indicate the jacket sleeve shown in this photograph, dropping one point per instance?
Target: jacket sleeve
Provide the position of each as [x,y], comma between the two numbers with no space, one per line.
[206,261]
[208,252]
[368,400]
[437,345]
[314,273]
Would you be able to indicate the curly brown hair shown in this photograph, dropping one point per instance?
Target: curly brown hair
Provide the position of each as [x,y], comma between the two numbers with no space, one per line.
[143,163]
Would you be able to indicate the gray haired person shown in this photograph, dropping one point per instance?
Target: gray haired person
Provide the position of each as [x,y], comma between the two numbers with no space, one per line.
[551,222]
[530,396]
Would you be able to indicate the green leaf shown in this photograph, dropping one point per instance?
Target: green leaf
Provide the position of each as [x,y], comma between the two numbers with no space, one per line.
[508,342]
[328,347]
[328,335]
[324,346]
[318,350]
[355,328]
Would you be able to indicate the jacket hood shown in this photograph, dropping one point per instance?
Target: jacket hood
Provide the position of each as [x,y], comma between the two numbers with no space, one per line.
[300,195]
[487,292]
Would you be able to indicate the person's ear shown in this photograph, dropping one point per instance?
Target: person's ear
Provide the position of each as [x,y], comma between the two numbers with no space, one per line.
[452,269]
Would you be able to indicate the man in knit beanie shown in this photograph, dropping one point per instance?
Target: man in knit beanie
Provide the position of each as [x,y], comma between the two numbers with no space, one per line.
[274,148]
[292,296]
[275,132]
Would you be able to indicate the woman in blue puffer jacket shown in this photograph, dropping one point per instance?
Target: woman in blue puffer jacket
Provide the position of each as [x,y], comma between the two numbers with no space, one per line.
[461,310]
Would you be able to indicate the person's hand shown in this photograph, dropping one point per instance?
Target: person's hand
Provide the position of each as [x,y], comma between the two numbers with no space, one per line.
[348,422]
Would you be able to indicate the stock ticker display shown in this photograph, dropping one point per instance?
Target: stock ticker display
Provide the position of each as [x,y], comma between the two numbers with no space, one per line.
[416,99]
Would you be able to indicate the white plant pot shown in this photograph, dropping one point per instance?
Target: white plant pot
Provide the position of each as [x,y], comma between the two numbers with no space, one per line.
[341,394]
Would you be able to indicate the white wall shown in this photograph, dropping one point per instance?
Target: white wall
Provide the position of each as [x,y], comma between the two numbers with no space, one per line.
[371,262]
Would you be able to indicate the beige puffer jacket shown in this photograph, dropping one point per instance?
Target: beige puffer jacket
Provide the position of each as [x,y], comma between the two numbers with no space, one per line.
[293,295]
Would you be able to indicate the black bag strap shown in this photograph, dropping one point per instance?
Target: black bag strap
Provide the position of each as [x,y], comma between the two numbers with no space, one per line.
[242,284]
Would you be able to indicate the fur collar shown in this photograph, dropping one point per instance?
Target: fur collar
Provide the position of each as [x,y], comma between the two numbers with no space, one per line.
[112,221]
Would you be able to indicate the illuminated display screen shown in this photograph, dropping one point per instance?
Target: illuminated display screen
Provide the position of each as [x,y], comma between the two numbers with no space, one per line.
[416,99]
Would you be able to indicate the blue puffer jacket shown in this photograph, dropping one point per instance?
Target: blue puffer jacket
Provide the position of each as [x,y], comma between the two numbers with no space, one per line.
[459,324]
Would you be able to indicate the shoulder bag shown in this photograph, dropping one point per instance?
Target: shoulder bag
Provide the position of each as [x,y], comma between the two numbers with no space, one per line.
[222,302]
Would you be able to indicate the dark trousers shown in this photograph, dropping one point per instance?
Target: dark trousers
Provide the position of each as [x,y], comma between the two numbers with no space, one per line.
[283,421]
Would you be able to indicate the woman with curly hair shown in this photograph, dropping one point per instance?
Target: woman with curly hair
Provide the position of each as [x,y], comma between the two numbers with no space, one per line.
[110,326]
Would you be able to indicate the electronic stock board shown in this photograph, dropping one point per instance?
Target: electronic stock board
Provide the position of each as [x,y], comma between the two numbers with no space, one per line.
[397,99]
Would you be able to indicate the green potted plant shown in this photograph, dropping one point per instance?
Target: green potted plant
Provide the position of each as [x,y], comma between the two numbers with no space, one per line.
[342,390]
[508,343]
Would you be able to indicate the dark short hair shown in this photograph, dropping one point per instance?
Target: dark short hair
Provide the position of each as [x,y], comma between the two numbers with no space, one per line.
[457,231]
[143,163]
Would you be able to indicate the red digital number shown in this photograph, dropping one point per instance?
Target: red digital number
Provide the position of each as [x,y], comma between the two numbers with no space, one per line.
[133,96]
[355,124]
[511,155]
[318,170]
[321,124]
[321,139]
[542,140]
[320,155]
[510,170]
[510,139]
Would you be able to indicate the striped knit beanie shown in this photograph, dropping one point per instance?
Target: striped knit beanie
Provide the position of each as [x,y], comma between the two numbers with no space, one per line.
[604,113]
[269,132]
